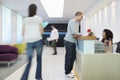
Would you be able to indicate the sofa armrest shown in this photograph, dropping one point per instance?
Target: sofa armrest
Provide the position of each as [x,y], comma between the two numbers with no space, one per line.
[14,50]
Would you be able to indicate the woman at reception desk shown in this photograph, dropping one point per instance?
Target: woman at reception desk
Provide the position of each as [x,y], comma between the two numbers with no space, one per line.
[91,65]
[107,40]
[107,37]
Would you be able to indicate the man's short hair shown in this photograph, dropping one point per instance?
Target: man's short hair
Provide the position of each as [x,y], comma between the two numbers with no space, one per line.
[78,13]
[53,25]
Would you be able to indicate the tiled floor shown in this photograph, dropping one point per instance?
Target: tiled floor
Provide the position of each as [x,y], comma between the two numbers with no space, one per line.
[52,68]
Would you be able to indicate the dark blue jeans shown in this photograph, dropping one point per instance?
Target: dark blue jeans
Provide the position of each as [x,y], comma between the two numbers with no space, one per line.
[70,56]
[38,45]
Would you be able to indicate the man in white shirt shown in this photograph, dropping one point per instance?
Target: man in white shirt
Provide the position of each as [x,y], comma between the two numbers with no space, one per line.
[54,36]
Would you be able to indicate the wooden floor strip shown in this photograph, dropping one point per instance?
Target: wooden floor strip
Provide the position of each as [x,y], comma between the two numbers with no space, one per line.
[76,74]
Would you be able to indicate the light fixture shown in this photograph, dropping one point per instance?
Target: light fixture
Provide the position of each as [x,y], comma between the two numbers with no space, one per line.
[54,8]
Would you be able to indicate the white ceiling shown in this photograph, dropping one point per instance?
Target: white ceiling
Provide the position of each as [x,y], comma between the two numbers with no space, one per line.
[70,7]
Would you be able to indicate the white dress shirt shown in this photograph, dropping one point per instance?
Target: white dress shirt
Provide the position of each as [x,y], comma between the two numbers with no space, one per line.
[54,34]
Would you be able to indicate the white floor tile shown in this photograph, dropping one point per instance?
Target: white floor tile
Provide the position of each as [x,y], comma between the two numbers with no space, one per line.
[52,68]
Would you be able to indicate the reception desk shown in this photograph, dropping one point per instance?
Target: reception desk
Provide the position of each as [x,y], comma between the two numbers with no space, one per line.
[96,66]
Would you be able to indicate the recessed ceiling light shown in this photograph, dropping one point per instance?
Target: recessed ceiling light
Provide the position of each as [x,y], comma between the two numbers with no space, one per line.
[54,8]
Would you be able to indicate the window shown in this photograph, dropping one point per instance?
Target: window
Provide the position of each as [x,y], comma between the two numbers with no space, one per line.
[19,28]
[6,25]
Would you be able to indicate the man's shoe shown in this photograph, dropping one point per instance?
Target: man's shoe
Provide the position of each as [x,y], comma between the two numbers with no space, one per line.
[39,79]
[54,54]
[70,75]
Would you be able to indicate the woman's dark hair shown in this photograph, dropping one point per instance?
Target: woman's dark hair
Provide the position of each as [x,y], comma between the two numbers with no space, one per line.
[32,10]
[109,34]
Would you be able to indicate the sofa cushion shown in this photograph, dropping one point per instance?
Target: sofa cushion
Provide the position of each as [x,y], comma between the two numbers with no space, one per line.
[8,57]
[21,47]
[8,49]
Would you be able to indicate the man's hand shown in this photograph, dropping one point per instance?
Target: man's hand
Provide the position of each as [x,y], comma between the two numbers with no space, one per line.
[56,40]
[76,36]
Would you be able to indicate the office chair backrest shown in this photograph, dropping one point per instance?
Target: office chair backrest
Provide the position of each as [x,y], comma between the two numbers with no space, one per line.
[118,47]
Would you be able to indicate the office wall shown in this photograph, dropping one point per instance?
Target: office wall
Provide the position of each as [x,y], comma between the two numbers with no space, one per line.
[0,23]
[14,27]
[10,26]
[108,18]
[6,25]
[19,28]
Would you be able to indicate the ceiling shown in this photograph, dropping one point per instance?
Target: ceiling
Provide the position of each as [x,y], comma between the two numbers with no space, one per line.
[70,7]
